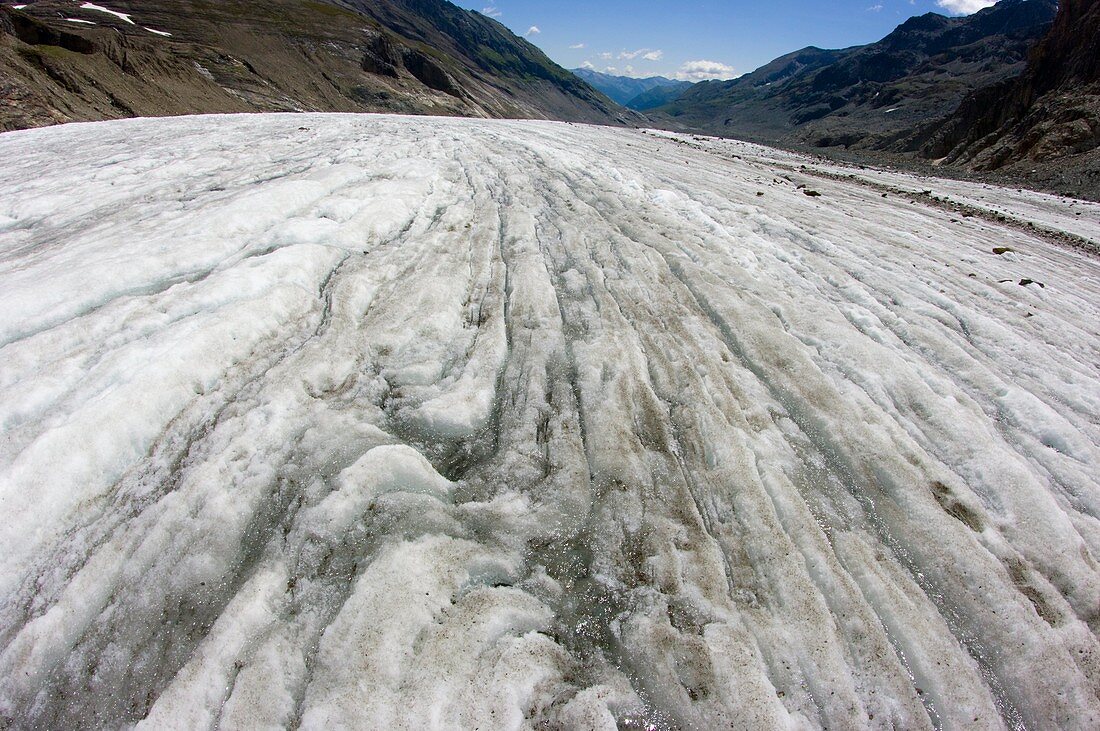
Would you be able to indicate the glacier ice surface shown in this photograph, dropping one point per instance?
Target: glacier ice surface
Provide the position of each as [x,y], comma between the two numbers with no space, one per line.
[383,422]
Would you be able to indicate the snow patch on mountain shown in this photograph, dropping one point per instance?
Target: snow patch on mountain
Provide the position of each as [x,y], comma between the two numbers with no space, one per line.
[100,9]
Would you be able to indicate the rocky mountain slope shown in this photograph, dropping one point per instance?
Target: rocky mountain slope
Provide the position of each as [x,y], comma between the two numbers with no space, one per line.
[640,94]
[871,96]
[1047,119]
[64,60]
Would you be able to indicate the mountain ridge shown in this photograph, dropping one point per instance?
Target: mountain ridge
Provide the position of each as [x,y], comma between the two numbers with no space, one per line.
[407,56]
[919,72]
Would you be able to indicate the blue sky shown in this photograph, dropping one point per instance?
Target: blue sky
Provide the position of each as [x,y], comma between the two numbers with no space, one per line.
[698,39]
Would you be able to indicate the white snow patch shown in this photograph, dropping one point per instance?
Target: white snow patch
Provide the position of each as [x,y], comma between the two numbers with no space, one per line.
[101,9]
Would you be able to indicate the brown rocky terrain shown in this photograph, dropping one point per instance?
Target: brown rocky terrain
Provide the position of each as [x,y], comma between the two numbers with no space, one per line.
[63,62]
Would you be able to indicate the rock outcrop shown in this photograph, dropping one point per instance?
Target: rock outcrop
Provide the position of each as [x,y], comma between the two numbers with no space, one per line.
[1049,114]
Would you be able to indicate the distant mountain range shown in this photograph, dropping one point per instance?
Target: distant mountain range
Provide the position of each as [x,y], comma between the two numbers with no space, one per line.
[638,94]
[61,62]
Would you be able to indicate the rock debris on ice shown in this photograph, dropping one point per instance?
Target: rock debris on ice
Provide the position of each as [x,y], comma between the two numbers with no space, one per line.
[407,423]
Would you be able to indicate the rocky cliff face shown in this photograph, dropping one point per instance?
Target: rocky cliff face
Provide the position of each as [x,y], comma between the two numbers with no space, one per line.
[62,62]
[1049,114]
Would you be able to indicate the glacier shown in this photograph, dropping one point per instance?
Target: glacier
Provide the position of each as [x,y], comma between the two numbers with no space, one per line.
[337,421]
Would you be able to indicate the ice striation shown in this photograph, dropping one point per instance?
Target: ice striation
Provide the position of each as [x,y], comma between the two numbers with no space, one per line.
[404,423]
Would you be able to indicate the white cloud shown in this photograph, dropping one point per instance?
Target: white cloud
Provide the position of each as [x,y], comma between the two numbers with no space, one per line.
[874,9]
[532,31]
[577,45]
[965,7]
[491,11]
[703,70]
[649,54]
[606,56]
[627,70]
